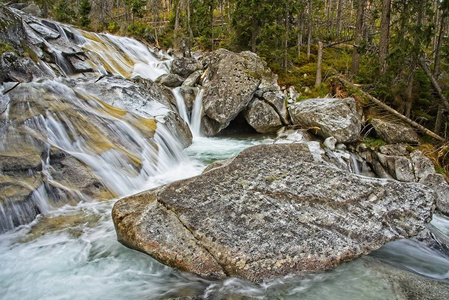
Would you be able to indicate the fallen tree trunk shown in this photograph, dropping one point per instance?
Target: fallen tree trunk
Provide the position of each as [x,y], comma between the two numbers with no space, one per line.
[392,111]
[434,81]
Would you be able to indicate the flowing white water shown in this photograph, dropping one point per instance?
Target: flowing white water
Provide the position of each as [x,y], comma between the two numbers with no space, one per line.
[124,56]
[193,118]
[85,261]
[72,251]
[197,114]
[181,105]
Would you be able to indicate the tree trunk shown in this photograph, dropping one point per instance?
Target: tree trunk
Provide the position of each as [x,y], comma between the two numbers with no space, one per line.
[439,119]
[254,37]
[176,31]
[436,68]
[358,37]
[189,26]
[339,17]
[286,35]
[300,22]
[414,58]
[392,111]
[384,35]
[319,63]
[309,29]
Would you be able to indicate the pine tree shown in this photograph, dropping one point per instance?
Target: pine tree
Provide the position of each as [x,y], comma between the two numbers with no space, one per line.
[83,12]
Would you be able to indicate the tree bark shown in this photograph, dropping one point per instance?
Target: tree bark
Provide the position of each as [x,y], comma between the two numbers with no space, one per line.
[189,26]
[436,68]
[176,31]
[414,58]
[309,29]
[384,35]
[392,111]
[286,35]
[439,119]
[339,17]
[300,22]
[358,37]
[319,65]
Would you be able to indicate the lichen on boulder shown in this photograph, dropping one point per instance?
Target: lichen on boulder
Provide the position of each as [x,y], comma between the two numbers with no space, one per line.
[271,211]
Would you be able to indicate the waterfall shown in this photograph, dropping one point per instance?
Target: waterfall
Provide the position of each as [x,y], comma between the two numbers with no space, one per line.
[124,56]
[122,150]
[197,114]
[355,164]
[193,118]
[182,109]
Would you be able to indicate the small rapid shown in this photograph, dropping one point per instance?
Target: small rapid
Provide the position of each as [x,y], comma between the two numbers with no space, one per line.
[73,253]
[62,243]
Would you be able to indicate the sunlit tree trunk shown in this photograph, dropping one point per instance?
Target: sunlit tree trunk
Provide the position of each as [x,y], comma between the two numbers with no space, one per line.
[319,65]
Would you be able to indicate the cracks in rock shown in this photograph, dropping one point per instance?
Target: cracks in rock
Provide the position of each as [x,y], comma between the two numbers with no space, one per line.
[283,120]
[198,240]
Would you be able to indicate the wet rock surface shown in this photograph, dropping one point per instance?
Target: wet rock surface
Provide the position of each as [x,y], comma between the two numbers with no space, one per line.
[268,212]
[407,285]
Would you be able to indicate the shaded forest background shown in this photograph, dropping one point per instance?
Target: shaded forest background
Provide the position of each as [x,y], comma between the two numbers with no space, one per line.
[380,44]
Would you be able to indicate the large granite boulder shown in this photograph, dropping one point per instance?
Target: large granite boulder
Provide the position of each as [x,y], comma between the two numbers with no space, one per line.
[270,211]
[335,117]
[170,80]
[394,132]
[262,116]
[438,183]
[184,66]
[229,86]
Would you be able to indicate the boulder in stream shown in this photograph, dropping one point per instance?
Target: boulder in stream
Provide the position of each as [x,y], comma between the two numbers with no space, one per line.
[230,83]
[270,211]
[334,117]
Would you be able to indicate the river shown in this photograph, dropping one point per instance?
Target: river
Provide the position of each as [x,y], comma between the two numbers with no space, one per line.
[71,252]
[78,257]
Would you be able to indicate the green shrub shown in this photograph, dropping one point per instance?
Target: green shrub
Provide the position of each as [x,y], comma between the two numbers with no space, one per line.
[374,143]
[141,30]
[5,47]
[113,27]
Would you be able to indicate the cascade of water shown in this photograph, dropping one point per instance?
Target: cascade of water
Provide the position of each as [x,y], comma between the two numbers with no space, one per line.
[124,56]
[193,118]
[122,150]
[196,116]
[182,109]
[355,164]
[61,31]
[60,60]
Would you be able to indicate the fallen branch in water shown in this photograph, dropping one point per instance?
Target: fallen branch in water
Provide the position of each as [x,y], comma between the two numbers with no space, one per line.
[391,110]
[9,90]
[6,92]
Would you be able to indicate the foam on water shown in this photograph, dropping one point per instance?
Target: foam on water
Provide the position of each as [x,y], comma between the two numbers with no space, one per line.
[86,261]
